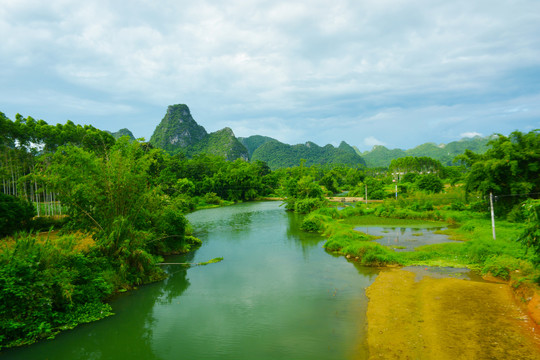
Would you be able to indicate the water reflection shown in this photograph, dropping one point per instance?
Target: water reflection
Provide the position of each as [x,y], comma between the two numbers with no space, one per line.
[177,281]
[405,239]
[305,240]
[277,294]
[126,335]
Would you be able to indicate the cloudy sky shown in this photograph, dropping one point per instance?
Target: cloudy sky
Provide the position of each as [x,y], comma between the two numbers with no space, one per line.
[391,72]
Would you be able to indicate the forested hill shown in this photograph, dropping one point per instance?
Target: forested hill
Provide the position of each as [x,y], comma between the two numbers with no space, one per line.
[279,155]
[122,132]
[252,143]
[178,132]
[381,156]
[222,143]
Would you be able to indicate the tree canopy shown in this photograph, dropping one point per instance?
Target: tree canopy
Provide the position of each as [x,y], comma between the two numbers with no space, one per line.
[510,168]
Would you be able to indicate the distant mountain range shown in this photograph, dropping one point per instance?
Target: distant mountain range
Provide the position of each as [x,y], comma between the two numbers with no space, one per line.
[278,155]
[381,156]
[179,132]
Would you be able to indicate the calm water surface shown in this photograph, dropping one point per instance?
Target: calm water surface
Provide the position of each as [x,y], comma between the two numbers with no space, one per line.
[405,238]
[276,295]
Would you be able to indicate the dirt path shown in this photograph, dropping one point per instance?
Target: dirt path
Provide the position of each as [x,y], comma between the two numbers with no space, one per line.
[446,319]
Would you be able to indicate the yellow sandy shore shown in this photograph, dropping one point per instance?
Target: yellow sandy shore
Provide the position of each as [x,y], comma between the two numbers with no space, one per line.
[446,319]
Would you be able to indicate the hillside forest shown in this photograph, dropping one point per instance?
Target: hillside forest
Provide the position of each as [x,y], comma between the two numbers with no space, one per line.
[85,215]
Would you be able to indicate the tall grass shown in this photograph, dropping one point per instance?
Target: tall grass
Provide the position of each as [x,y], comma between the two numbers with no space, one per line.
[504,257]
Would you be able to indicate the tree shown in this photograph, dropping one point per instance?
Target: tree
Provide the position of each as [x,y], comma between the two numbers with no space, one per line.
[422,164]
[429,182]
[531,235]
[15,214]
[112,198]
[375,188]
[510,167]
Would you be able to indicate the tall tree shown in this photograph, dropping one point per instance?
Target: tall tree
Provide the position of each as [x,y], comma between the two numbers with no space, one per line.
[510,168]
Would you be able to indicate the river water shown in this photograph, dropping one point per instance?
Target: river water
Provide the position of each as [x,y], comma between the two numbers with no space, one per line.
[276,295]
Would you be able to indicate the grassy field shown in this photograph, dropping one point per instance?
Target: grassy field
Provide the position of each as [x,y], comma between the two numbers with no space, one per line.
[472,246]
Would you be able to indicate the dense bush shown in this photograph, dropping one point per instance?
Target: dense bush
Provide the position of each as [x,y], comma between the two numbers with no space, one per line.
[47,288]
[15,214]
[503,265]
[211,198]
[307,205]
[429,182]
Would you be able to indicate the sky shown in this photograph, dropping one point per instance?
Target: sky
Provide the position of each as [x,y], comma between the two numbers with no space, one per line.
[397,73]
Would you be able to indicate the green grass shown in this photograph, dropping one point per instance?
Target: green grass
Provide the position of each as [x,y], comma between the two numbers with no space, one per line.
[504,257]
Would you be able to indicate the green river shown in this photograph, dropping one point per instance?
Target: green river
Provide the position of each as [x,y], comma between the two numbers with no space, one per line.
[276,295]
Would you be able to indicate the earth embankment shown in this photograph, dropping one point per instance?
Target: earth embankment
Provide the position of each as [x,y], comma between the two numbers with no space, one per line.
[446,319]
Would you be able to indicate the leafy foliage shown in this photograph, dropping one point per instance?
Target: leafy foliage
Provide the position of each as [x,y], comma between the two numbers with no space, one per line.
[123,132]
[221,143]
[414,164]
[66,287]
[531,235]
[510,167]
[280,155]
[429,182]
[15,214]
[177,130]
[252,143]
[381,156]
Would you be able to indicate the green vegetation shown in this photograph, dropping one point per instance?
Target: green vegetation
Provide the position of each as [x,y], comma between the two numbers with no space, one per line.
[252,143]
[123,132]
[381,156]
[177,130]
[48,287]
[15,214]
[126,197]
[414,164]
[279,155]
[179,133]
[504,257]
[221,143]
[510,167]
[120,206]
[530,237]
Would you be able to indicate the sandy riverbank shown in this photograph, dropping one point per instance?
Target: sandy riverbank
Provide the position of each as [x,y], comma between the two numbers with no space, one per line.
[446,319]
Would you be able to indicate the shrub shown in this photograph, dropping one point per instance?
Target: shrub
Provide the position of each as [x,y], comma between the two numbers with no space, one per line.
[502,266]
[312,224]
[66,288]
[15,214]
[307,205]
[457,206]
[480,206]
[211,198]
[429,182]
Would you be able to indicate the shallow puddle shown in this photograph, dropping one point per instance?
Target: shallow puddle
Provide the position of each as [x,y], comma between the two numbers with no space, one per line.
[439,272]
[405,238]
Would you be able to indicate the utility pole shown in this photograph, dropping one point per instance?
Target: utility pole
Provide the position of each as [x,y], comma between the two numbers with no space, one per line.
[492,214]
[366,194]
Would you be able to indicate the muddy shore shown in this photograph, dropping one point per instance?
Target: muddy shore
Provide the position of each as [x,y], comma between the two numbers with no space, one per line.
[446,318]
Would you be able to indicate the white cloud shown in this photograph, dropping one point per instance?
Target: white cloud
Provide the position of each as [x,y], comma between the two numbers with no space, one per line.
[372,141]
[405,71]
[470,134]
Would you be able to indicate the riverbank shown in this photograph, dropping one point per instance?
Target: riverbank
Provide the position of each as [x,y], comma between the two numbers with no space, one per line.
[446,318]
